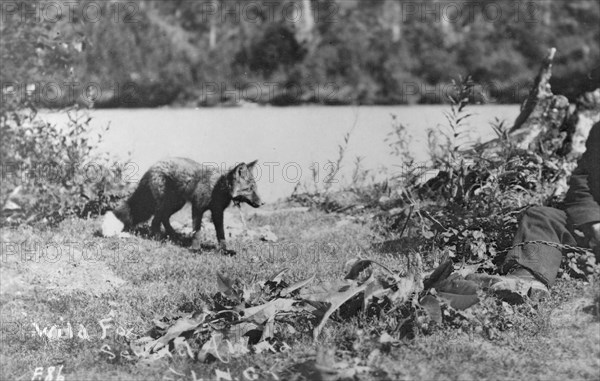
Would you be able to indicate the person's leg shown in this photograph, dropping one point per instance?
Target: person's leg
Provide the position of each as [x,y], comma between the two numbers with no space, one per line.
[539,224]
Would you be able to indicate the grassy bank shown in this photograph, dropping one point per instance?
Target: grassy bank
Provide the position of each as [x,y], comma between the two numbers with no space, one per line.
[136,280]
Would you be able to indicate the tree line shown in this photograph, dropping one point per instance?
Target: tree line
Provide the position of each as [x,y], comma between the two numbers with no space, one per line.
[283,52]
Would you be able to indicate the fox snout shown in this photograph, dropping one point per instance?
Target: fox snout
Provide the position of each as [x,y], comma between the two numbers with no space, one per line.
[255,201]
[258,204]
[249,196]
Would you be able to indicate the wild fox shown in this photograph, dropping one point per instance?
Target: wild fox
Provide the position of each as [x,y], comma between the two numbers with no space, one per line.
[169,184]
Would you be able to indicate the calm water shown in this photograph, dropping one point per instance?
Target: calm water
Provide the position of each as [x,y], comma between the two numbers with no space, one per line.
[290,139]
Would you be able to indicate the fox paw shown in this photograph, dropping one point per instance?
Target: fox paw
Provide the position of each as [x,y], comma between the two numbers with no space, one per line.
[195,245]
[224,250]
[229,252]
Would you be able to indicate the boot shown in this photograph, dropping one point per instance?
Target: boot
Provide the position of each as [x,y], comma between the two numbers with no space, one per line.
[514,287]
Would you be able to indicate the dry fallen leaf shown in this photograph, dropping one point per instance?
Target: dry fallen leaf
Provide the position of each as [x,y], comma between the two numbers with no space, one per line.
[260,314]
[432,307]
[288,290]
[182,325]
[333,295]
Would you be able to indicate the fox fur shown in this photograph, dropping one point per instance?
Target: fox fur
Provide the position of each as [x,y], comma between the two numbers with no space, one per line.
[169,184]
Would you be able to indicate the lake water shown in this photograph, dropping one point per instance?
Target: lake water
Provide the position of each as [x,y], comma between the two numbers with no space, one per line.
[286,141]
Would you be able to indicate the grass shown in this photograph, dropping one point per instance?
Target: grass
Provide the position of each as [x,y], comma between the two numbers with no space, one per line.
[557,339]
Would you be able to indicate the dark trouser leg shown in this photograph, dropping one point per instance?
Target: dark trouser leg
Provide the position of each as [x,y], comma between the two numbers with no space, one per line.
[540,224]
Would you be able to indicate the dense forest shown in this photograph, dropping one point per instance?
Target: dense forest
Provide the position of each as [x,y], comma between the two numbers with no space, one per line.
[150,53]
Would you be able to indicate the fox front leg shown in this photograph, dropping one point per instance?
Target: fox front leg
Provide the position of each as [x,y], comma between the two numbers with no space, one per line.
[218,222]
[197,221]
[196,246]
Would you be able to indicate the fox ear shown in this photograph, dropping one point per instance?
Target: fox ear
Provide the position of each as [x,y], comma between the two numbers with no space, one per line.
[252,164]
[239,169]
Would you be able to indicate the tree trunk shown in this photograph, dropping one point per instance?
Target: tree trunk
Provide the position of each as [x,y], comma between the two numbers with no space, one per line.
[395,18]
[212,34]
[542,111]
[579,124]
[304,30]
[309,21]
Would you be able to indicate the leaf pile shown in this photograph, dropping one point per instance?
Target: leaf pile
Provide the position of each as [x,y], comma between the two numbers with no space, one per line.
[240,319]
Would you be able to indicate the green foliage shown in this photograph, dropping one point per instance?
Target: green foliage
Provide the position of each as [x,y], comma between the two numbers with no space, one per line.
[354,52]
[399,142]
[579,265]
[49,172]
[470,210]
[53,172]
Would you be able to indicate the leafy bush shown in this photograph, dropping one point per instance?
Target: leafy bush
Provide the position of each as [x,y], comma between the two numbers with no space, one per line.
[481,190]
[49,172]
[470,210]
[52,172]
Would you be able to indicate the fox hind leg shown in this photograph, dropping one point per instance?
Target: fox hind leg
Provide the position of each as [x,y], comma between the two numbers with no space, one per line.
[168,205]
[173,208]
[155,226]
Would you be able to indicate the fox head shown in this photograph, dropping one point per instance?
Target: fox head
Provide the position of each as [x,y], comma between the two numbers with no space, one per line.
[244,185]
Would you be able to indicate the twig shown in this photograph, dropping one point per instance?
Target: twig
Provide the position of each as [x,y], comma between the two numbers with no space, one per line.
[436,222]
[407,219]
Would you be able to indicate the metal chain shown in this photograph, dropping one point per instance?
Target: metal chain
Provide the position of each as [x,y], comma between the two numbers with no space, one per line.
[560,246]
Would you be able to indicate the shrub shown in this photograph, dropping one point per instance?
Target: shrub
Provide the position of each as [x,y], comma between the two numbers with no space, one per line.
[51,172]
[470,210]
